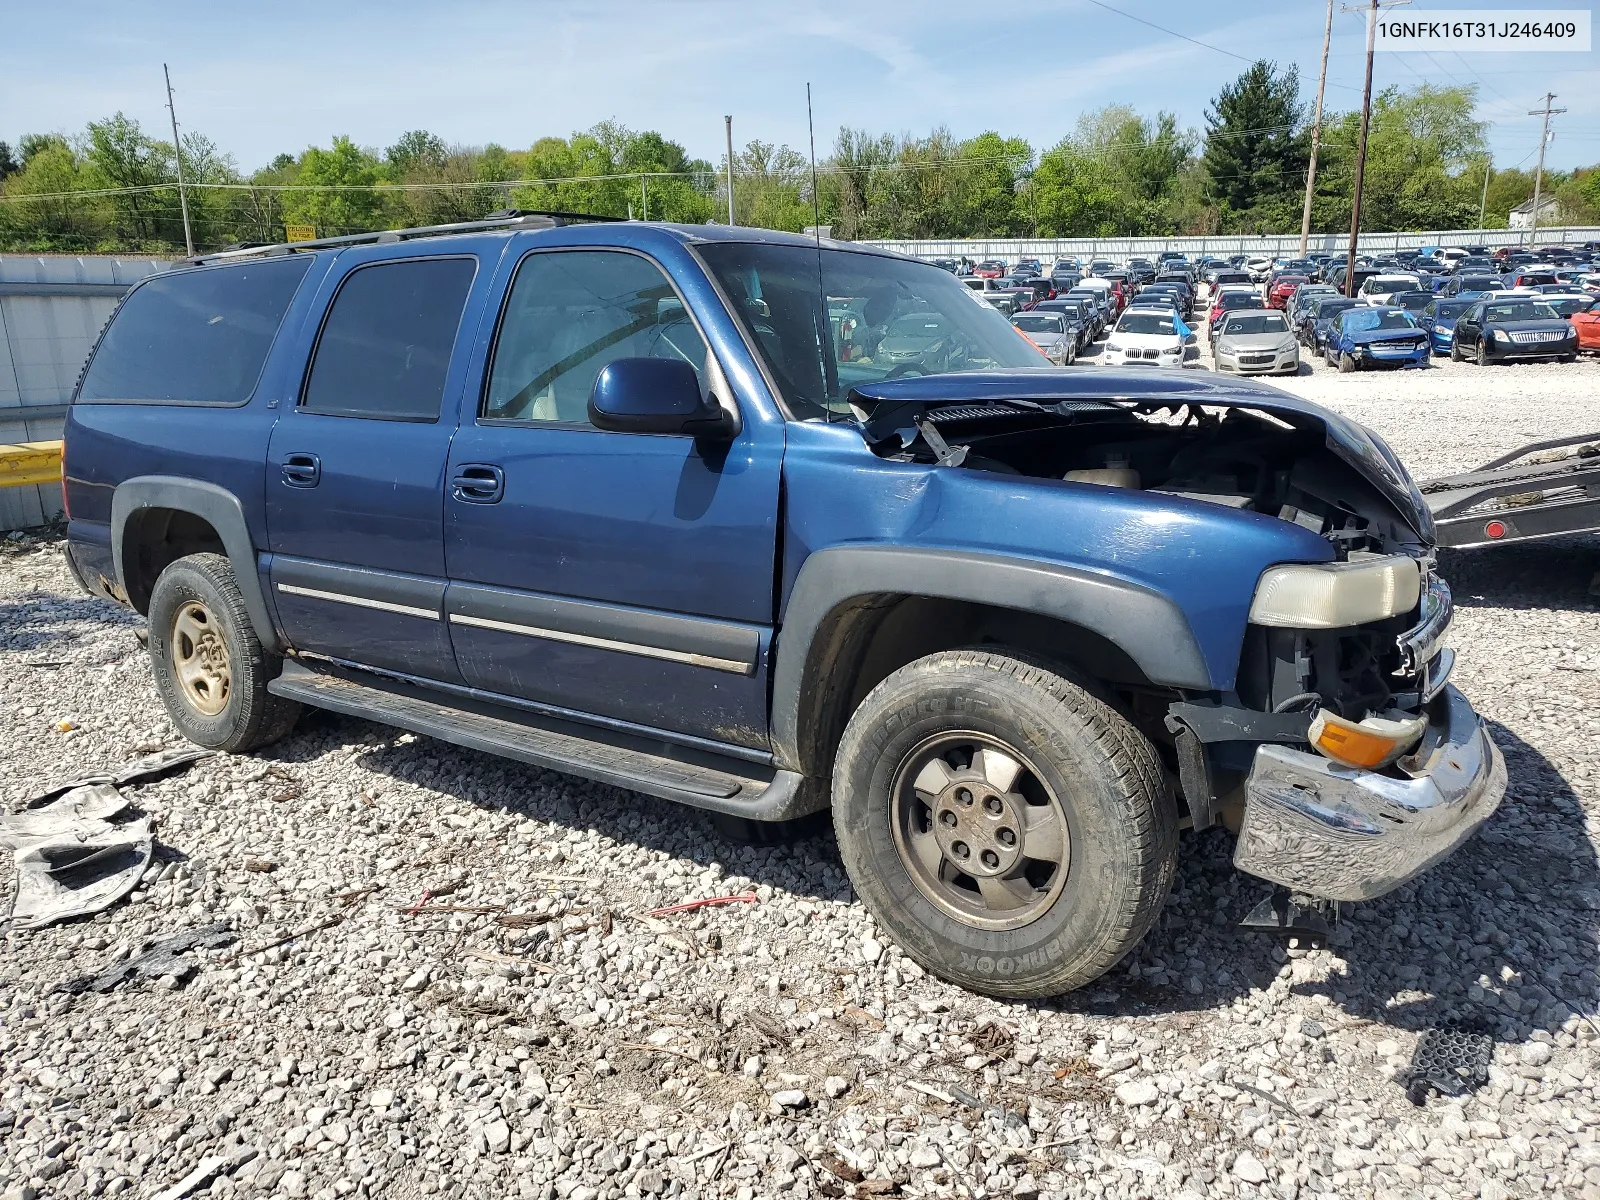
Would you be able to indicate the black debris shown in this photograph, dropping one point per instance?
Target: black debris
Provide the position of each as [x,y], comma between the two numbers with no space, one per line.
[1451,1059]
[162,959]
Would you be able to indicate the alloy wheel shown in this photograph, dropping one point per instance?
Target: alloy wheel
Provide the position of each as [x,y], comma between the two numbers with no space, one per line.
[981,835]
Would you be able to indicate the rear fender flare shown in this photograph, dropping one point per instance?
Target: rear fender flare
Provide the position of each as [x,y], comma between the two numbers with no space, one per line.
[215,505]
[1148,626]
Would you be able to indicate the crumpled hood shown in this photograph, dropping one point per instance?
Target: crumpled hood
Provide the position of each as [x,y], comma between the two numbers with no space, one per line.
[889,405]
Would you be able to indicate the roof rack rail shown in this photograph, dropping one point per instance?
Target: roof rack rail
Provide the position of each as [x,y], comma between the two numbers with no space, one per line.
[505,218]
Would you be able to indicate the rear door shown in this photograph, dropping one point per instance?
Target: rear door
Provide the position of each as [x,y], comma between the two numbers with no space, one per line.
[355,469]
[627,576]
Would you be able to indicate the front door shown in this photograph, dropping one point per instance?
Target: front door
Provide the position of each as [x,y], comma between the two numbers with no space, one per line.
[621,575]
[355,473]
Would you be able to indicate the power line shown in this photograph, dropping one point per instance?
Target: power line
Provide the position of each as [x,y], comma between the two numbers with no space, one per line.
[1185,37]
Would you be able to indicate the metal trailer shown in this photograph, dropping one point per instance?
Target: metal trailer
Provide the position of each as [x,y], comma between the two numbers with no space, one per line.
[1517,498]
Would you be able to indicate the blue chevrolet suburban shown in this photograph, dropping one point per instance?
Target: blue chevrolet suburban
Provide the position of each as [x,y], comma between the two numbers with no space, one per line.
[616,499]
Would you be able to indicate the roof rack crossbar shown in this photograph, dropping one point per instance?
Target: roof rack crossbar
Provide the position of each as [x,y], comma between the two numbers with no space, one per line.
[507,218]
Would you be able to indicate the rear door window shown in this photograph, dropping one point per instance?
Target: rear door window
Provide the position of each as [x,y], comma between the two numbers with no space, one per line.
[385,346]
[194,337]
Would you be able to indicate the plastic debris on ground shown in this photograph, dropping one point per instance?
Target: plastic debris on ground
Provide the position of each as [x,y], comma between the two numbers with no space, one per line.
[1450,1059]
[81,846]
[163,959]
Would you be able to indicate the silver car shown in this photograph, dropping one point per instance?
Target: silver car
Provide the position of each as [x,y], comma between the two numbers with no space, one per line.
[1049,332]
[1257,342]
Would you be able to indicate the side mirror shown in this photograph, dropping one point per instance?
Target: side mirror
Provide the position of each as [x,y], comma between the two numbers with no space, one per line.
[656,395]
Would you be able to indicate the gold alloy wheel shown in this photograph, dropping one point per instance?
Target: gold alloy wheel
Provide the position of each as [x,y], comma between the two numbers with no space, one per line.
[200,659]
[979,832]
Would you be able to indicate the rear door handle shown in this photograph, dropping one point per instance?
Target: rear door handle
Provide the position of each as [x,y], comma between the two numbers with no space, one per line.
[302,470]
[478,483]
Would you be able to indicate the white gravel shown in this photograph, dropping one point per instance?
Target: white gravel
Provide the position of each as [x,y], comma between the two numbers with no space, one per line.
[563,1044]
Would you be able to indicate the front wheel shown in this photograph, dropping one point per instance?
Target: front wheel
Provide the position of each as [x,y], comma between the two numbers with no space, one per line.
[1346,363]
[1010,830]
[1483,354]
[210,668]
[1455,352]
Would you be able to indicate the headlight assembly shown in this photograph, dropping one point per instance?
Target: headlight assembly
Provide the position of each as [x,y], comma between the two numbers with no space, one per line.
[1337,595]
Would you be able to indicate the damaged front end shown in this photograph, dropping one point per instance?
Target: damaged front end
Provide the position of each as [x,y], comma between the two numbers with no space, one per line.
[1341,755]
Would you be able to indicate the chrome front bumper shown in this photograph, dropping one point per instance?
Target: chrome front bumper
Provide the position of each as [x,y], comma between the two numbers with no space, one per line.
[1345,834]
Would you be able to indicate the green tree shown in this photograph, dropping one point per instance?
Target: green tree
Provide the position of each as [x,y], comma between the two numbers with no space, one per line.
[416,149]
[1076,194]
[1424,161]
[8,165]
[325,203]
[118,154]
[1255,150]
[56,220]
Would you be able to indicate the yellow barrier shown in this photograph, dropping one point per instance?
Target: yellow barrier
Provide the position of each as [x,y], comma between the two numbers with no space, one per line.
[30,462]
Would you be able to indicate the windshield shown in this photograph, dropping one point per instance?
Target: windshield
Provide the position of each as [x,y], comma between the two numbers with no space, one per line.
[1332,308]
[1263,322]
[922,325]
[1038,323]
[1147,322]
[1525,311]
[1568,305]
[1369,319]
[1449,310]
[774,291]
[1479,283]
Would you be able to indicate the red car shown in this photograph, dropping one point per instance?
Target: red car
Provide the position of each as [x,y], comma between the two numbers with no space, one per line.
[1588,326]
[1282,288]
[989,270]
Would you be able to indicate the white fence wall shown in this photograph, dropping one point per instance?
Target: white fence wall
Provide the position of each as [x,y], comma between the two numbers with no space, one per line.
[1324,243]
[51,310]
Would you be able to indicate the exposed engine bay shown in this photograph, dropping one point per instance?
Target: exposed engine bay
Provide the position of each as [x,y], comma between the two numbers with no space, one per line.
[1236,457]
[1285,465]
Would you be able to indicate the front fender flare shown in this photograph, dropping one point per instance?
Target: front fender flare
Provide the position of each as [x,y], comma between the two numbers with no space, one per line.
[215,505]
[1148,626]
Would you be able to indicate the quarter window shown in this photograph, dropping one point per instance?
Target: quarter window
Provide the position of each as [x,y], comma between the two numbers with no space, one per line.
[194,337]
[385,347]
[571,312]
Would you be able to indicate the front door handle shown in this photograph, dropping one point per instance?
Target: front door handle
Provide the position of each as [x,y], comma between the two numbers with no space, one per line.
[478,483]
[302,470]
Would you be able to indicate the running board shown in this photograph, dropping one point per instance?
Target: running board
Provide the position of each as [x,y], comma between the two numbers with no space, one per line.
[692,777]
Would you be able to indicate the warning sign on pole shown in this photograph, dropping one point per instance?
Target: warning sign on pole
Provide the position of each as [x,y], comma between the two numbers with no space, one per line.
[300,233]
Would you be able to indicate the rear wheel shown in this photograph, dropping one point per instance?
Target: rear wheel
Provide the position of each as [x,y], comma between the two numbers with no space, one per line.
[210,667]
[1013,832]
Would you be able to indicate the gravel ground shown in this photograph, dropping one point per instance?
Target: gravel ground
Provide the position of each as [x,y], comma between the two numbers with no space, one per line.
[446,981]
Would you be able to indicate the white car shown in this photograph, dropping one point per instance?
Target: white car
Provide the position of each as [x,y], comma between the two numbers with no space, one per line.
[1149,337]
[1259,268]
[1381,289]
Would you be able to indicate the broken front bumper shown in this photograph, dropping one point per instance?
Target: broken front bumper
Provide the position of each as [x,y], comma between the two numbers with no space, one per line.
[1340,833]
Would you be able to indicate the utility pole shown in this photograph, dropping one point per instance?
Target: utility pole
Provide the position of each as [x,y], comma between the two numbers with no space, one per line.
[1483,204]
[1316,135]
[728,125]
[1361,147]
[644,200]
[1538,176]
[177,149]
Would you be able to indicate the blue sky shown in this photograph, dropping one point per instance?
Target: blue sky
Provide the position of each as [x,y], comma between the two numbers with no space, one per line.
[260,81]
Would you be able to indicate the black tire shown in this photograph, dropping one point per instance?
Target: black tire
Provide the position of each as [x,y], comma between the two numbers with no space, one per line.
[1483,354]
[1120,819]
[1346,363]
[246,716]
[1455,352]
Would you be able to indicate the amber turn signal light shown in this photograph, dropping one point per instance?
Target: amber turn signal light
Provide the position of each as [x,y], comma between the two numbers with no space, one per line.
[1370,744]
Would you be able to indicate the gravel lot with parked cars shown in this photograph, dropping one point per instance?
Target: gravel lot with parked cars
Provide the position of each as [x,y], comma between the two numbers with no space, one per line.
[452,974]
